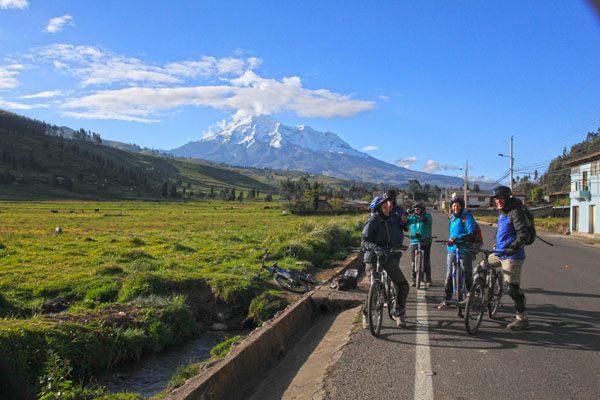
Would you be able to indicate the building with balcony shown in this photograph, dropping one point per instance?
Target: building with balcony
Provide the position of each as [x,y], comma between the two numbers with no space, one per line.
[585,195]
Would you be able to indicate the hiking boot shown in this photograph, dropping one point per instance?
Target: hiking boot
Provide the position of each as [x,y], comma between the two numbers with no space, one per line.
[412,282]
[365,323]
[520,323]
[444,305]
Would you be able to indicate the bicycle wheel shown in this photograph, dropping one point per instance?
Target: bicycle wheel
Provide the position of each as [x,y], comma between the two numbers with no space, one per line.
[419,268]
[392,298]
[289,284]
[375,308]
[475,307]
[495,294]
[458,284]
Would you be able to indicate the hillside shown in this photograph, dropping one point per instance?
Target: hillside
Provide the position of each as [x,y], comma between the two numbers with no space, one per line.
[35,165]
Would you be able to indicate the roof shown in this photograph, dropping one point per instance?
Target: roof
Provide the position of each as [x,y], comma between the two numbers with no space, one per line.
[583,160]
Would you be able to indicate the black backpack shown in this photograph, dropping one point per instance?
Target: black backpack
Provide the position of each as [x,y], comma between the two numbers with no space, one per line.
[530,223]
[345,282]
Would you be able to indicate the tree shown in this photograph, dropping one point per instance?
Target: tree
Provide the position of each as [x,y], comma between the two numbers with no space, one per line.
[165,189]
[476,187]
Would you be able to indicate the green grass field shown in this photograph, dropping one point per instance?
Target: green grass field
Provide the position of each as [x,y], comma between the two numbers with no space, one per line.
[131,278]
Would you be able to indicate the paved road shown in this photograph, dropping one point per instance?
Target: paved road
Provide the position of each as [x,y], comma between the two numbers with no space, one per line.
[434,358]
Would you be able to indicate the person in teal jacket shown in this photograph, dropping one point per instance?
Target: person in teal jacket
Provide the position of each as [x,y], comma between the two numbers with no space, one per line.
[462,228]
[420,228]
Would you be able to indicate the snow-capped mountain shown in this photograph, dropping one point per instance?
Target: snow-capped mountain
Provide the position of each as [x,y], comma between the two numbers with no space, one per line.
[263,129]
[263,142]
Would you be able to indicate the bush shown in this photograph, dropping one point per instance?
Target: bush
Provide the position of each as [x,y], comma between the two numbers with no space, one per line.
[104,294]
[265,306]
[222,349]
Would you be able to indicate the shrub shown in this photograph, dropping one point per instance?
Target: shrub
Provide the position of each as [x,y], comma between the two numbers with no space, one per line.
[265,306]
[222,349]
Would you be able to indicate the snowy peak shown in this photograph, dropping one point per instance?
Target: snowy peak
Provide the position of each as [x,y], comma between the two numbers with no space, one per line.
[267,130]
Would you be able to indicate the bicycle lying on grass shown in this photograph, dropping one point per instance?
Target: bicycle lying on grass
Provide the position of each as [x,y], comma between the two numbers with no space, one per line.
[291,280]
[486,293]
[381,291]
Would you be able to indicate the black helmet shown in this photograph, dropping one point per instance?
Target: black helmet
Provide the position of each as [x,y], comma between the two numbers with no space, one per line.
[501,191]
[421,205]
[459,200]
[390,195]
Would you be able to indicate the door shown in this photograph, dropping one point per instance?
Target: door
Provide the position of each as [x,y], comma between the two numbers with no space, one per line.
[592,219]
[575,219]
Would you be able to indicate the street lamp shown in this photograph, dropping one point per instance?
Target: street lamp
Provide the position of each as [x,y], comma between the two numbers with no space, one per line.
[511,162]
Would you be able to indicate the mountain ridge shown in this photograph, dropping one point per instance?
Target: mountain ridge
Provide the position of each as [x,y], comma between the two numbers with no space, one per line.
[263,142]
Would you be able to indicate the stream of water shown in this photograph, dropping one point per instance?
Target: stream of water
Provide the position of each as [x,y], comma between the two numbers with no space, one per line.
[152,374]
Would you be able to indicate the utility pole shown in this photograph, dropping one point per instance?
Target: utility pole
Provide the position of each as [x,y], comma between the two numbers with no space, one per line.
[511,163]
[466,185]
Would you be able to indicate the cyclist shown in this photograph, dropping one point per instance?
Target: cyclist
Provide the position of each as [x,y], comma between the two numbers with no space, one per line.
[377,237]
[511,237]
[397,217]
[420,228]
[462,228]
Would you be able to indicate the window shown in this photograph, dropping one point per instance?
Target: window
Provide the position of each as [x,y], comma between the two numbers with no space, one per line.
[585,181]
[595,167]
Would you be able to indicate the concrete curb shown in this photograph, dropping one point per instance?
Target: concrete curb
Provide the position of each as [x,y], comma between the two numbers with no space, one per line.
[246,364]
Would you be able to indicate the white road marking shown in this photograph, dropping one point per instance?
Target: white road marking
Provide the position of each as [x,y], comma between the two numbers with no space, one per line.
[423,371]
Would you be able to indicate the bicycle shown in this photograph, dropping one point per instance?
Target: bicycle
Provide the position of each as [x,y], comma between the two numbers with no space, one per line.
[486,292]
[291,280]
[381,291]
[419,260]
[458,277]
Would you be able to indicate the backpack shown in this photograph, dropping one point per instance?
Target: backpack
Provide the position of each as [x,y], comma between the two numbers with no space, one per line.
[530,223]
[345,282]
[477,237]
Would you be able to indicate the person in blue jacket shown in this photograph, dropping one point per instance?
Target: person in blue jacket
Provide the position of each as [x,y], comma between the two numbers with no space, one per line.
[511,236]
[462,229]
[420,223]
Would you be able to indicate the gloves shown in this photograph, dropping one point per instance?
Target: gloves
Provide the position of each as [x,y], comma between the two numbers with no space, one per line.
[378,251]
[417,235]
[409,211]
[451,241]
[510,251]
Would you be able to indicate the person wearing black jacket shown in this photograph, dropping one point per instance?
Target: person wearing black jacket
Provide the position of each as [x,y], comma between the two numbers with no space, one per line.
[511,236]
[377,237]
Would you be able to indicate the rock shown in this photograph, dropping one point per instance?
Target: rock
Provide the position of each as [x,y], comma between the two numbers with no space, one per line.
[217,326]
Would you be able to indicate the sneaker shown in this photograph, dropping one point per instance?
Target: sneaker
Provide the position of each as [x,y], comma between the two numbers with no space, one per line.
[413,283]
[463,302]
[444,305]
[401,321]
[365,323]
[428,284]
[520,323]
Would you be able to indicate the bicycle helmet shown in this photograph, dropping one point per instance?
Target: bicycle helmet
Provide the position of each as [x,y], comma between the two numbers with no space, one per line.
[377,201]
[501,191]
[421,205]
[459,200]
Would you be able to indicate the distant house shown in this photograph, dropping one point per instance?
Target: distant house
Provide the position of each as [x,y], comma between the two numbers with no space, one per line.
[478,200]
[555,196]
[585,195]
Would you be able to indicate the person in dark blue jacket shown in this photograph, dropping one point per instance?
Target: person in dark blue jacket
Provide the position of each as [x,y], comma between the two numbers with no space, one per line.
[462,229]
[511,236]
[377,237]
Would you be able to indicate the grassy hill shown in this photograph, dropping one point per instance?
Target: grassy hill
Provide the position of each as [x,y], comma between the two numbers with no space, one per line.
[41,166]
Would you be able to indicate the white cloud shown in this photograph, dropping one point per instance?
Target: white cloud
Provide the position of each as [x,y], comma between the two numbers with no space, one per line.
[16,106]
[7,80]
[431,166]
[57,24]
[406,162]
[369,148]
[14,4]
[153,89]
[46,94]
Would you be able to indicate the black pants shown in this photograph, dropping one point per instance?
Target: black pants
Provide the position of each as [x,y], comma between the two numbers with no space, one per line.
[426,260]
[392,267]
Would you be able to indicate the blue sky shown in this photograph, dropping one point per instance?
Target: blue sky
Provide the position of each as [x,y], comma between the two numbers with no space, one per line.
[427,85]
